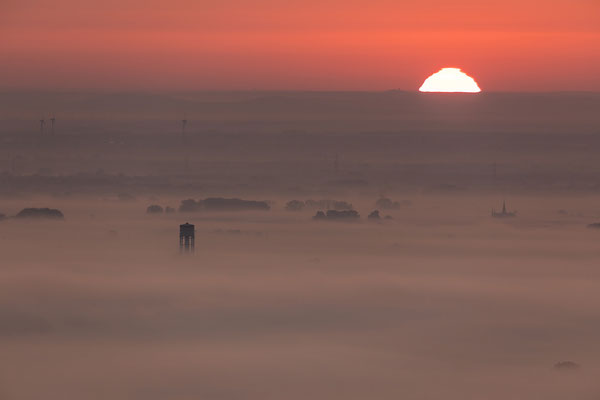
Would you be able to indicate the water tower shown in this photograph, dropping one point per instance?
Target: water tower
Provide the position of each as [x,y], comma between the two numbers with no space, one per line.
[186,237]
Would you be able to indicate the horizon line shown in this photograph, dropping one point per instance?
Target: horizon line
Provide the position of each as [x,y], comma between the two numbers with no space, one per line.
[257,90]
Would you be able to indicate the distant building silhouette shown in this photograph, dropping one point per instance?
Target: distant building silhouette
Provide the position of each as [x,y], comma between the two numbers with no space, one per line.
[187,233]
[504,213]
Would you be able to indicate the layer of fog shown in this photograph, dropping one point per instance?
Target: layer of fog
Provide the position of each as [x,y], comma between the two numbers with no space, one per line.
[441,302]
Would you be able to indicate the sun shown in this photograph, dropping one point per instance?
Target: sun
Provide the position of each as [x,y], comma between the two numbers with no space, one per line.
[450,80]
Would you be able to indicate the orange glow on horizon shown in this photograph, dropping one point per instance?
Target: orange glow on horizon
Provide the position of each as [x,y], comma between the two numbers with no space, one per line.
[297,44]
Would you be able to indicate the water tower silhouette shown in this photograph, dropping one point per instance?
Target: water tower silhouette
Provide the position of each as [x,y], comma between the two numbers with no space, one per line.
[186,238]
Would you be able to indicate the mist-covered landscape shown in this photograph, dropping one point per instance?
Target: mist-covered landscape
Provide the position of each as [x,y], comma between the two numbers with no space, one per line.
[299,200]
[434,299]
[298,143]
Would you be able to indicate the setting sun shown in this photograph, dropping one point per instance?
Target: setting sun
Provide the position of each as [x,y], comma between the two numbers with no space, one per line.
[450,80]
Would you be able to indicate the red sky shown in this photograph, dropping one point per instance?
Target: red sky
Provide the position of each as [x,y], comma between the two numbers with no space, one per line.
[510,45]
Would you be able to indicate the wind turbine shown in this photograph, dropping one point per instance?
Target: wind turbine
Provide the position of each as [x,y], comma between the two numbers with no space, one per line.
[42,124]
[52,119]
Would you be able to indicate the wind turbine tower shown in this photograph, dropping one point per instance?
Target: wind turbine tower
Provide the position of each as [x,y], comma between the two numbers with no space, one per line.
[52,119]
[42,124]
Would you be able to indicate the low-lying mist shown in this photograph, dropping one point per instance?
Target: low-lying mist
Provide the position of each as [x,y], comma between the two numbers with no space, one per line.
[442,301]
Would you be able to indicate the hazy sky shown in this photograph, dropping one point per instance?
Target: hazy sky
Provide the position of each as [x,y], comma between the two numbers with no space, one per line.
[298,44]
